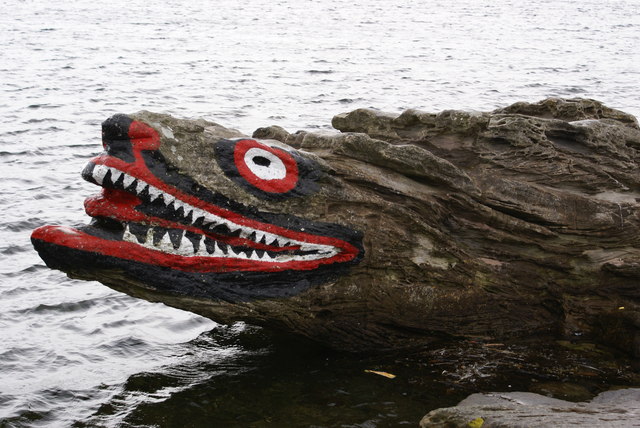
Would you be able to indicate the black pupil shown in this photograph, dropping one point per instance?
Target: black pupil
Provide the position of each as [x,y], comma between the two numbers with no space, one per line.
[261,160]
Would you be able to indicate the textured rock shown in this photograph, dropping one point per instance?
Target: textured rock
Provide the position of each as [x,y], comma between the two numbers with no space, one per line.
[619,408]
[509,223]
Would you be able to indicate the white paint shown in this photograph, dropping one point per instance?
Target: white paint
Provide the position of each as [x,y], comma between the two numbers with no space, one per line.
[99,172]
[211,220]
[276,170]
[187,249]
[127,180]
[98,61]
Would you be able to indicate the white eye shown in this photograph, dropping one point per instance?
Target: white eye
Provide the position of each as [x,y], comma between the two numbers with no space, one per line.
[266,168]
[264,164]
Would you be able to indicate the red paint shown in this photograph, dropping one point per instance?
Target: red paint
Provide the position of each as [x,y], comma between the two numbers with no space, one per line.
[73,238]
[143,137]
[120,205]
[283,185]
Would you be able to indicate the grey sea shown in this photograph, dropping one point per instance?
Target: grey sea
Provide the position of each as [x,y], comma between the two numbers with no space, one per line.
[76,353]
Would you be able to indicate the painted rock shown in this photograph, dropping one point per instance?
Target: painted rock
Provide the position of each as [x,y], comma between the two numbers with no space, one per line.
[396,232]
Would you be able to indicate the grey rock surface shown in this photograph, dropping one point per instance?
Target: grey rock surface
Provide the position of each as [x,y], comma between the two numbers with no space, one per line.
[619,408]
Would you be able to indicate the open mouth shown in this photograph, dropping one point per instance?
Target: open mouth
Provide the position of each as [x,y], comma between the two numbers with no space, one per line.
[203,238]
[149,213]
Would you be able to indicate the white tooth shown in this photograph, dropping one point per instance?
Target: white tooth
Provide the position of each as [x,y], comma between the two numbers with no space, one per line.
[140,187]
[242,255]
[208,219]
[212,218]
[128,236]
[266,257]
[149,238]
[127,180]
[202,249]
[254,256]
[232,226]
[165,242]
[217,252]
[282,242]
[244,233]
[198,213]
[185,248]
[99,171]
[154,193]
[285,258]
[233,254]
[168,198]
[115,174]
[259,236]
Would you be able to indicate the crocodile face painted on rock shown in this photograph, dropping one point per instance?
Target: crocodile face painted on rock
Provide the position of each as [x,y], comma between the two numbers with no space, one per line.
[157,225]
[397,231]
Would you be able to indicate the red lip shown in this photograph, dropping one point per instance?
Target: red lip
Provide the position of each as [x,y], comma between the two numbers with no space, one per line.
[77,239]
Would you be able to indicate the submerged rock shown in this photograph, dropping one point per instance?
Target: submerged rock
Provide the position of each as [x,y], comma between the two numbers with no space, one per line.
[396,232]
[619,408]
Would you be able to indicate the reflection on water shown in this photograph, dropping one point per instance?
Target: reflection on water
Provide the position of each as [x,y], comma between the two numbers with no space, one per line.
[243,376]
[265,381]
[73,351]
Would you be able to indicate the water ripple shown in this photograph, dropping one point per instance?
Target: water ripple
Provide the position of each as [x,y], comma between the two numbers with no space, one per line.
[74,350]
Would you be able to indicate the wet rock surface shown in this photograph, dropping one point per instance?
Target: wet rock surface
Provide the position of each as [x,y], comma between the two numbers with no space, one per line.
[493,225]
[619,408]
[520,220]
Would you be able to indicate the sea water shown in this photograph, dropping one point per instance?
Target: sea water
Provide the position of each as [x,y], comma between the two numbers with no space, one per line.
[75,352]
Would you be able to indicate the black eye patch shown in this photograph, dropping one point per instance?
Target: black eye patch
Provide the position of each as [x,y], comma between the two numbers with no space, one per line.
[267,171]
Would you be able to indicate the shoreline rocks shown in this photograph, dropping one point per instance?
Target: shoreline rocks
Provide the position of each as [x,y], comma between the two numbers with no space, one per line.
[514,223]
[618,408]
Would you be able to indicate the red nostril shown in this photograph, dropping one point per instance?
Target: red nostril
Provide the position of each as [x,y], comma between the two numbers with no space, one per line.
[143,137]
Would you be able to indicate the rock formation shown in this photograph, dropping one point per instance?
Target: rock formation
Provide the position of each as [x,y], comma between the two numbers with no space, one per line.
[619,408]
[396,232]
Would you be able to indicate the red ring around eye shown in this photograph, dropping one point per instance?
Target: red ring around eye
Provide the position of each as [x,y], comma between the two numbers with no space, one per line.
[275,185]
